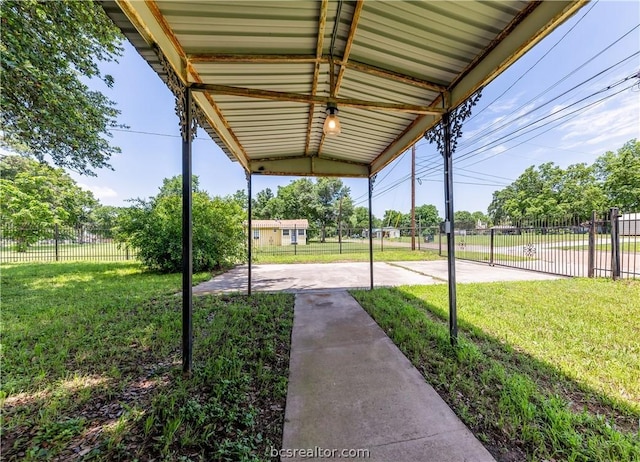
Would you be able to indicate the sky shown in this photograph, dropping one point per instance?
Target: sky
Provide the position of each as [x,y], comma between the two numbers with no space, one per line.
[566,101]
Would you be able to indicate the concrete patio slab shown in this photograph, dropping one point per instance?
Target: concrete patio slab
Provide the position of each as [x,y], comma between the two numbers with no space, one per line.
[351,388]
[311,276]
[324,276]
[468,271]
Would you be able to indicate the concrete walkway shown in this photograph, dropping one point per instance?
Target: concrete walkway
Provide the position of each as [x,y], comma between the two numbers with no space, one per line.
[351,388]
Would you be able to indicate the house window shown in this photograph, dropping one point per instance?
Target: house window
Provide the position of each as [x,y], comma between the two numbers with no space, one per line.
[301,232]
[256,234]
[285,232]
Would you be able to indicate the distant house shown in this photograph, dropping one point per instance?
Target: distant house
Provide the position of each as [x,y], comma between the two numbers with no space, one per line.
[630,224]
[378,233]
[506,229]
[279,232]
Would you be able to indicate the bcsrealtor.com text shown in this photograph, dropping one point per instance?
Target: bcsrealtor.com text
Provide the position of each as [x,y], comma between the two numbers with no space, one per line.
[317,452]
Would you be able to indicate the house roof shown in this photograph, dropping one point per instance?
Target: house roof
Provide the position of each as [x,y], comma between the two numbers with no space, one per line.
[300,224]
[263,71]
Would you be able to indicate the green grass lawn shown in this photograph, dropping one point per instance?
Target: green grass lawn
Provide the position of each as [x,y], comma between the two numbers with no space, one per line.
[625,246]
[389,254]
[516,240]
[91,358]
[545,370]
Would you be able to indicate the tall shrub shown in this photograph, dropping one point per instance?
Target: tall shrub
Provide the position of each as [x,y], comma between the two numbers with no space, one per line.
[154,227]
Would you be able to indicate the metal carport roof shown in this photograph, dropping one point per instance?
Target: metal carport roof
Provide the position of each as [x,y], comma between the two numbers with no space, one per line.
[270,67]
[261,74]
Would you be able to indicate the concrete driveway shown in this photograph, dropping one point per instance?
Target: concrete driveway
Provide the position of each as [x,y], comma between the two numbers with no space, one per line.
[323,276]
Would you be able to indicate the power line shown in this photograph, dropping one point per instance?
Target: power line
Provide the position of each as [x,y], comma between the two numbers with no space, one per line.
[425,171]
[488,132]
[536,63]
[574,113]
[475,151]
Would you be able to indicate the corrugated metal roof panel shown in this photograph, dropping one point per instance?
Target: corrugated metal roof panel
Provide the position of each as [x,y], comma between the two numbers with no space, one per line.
[269,68]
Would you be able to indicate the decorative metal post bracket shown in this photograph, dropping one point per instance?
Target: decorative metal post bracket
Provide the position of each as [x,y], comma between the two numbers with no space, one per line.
[177,87]
[456,117]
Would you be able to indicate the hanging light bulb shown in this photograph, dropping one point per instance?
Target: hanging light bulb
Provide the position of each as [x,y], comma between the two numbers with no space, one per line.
[331,123]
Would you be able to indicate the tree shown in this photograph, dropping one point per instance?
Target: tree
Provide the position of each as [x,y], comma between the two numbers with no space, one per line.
[36,196]
[104,219]
[480,218]
[620,176]
[330,194]
[549,192]
[48,48]
[579,192]
[534,194]
[464,220]
[24,214]
[392,218]
[262,205]
[154,227]
[296,200]
[241,198]
[427,215]
[345,212]
[360,220]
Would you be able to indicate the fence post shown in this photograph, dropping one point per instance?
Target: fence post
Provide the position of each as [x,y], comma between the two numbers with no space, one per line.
[615,244]
[592,246]
[439,241]
[56,235]
[126,252]
[419,233]
[491,236]
[295,236]
[381,240]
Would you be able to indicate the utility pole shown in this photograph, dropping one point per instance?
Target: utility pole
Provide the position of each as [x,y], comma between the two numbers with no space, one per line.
[413,197]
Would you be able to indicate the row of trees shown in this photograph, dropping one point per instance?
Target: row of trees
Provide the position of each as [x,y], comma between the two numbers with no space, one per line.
[34,197]
[38,202]
[327,204]
[552,192]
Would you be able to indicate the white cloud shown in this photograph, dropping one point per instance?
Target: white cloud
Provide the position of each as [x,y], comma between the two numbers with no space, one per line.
[605,125]
[100,192]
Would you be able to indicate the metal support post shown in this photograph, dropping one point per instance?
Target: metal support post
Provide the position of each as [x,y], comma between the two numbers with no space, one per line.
[187,234]
[592,246]
[491,245]
[371,182]
[449,227]
[56,237]
[446,134]
[249,233]
[615,243]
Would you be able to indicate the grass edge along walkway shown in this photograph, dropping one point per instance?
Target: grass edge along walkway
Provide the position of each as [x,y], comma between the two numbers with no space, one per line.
[521,408]
[92,367]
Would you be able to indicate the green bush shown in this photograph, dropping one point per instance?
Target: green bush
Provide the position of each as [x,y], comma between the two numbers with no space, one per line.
[154,227]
